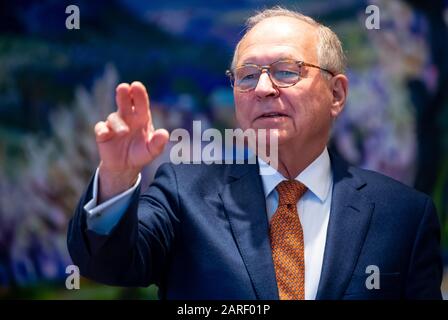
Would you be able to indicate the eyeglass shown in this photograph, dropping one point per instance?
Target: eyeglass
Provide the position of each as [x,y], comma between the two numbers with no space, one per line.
[283,74]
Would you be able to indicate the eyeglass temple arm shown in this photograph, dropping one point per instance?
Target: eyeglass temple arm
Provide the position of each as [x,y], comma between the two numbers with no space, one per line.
[314,66]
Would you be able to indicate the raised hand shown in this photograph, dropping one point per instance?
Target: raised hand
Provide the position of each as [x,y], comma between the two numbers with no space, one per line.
[127,140]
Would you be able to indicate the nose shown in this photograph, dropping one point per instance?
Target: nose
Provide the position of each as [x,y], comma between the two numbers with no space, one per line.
[265,88]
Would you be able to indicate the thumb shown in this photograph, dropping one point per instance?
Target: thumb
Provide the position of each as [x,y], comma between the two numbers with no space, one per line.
[156,143]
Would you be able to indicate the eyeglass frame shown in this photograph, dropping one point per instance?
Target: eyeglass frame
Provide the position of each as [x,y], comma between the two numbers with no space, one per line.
[299,63]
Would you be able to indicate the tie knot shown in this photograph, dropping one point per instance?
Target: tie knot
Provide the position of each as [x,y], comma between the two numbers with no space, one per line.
[290,191]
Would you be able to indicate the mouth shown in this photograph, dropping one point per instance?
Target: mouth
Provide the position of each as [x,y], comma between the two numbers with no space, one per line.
[271,115]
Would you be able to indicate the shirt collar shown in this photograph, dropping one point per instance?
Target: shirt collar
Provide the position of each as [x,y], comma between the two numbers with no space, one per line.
[317,177]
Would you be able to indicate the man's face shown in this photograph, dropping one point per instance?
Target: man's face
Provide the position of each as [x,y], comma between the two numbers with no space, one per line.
[305,107]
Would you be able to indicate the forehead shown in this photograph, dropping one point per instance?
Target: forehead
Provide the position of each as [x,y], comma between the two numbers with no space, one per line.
[277,38]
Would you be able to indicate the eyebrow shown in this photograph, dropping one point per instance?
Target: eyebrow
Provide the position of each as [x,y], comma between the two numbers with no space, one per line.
[283,57]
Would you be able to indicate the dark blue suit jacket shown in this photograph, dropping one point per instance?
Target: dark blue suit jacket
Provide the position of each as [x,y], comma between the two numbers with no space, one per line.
[201,232]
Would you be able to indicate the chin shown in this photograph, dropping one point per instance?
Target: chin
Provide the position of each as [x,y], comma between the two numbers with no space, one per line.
[282,136]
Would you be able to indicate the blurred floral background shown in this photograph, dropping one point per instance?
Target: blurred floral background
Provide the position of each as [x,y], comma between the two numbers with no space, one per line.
[55,84]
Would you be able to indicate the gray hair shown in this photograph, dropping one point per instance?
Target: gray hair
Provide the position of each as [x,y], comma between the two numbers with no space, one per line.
[330,54]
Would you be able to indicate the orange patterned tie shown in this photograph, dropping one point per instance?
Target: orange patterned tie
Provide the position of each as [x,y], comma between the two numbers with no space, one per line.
[288,251]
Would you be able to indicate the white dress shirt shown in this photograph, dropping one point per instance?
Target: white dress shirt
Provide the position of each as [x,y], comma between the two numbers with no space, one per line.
[314,213]
[313,208]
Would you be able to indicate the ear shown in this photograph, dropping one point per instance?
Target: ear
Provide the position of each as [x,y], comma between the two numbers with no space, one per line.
[339,87]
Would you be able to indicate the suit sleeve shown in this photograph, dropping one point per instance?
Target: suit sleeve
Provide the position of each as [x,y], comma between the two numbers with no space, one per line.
[135,252]
[426,269]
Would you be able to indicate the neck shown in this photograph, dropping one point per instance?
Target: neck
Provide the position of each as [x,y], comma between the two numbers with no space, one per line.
[292,160]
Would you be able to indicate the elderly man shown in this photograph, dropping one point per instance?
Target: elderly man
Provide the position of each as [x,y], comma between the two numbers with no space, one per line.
[316,229]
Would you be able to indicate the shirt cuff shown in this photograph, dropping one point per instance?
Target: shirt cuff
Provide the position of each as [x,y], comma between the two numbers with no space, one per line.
[102,218]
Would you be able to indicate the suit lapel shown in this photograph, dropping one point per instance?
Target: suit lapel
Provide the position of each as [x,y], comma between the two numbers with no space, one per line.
[349,221]
[244,203]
